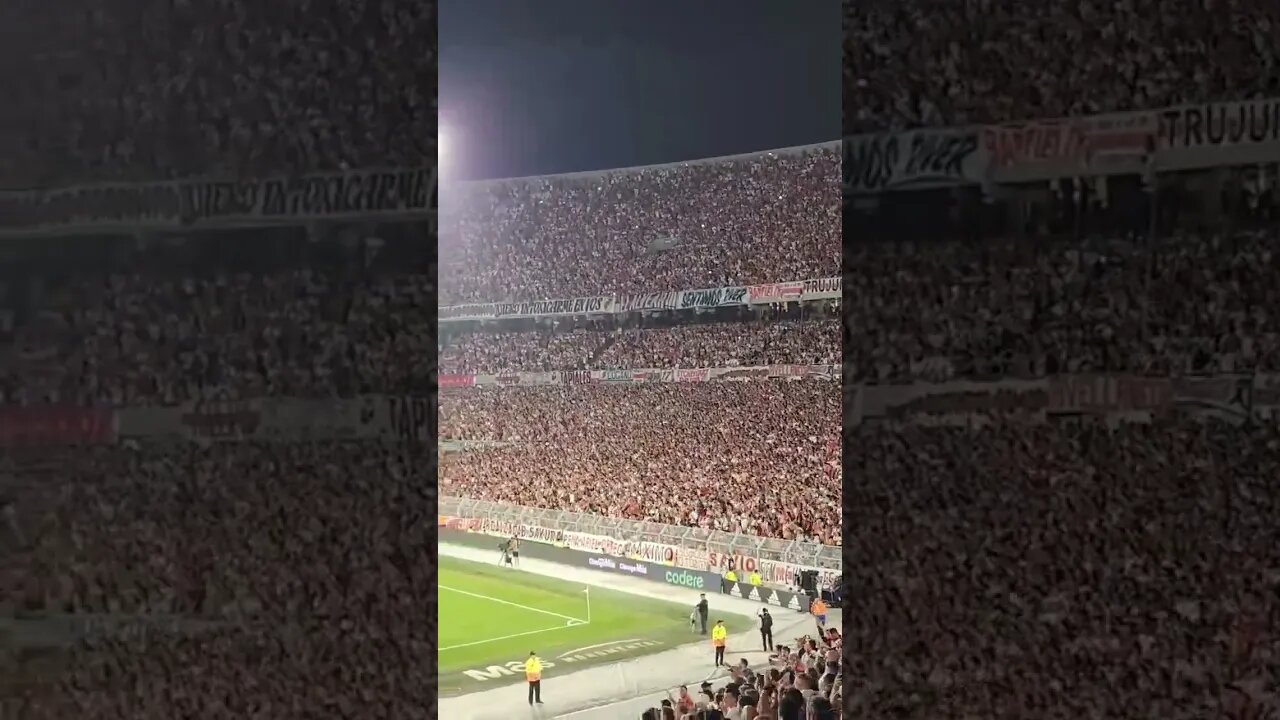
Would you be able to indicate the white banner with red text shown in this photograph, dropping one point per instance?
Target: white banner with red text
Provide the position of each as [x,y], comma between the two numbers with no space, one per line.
[602,544]
[1113,144]
[1113,397]
[772,572]
[392,194]
[703,299]
[507,529]
[1187,137]
[653,552]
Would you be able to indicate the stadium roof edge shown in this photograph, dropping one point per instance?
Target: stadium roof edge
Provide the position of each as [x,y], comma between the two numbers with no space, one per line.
[589,174]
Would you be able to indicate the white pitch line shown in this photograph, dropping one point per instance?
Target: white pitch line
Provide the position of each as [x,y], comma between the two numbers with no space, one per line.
[508,637]
[575,651]
[508,602]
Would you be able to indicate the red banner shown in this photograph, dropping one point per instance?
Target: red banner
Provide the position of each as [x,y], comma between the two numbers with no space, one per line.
[742,564]
[797,371]
[775,292]
[449,381]
[55,425]
[655,552]
[772,572]
[692,375]
[1074,142]
[1020,144]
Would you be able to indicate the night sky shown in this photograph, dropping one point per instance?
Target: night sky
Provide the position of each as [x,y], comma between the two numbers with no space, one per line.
[549,86]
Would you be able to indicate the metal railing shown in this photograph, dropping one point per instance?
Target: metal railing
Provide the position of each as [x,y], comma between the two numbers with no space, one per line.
[799,552]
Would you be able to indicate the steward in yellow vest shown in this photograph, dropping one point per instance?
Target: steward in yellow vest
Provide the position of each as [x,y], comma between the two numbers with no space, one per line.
[533,674]
[719,634]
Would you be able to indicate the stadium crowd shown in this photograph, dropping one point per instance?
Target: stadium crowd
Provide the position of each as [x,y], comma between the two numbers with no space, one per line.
[799,683]
[755,457]
[689,346]
[259,581]
[320,669]
[1058,571]
[1074,569]
[1197,304]
[1064,570]
[762,218]
[156,89]
[938,62]
[541,350]
[151,338]
[802,343]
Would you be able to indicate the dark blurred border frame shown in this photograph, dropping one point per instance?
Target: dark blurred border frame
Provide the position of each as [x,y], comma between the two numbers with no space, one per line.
[853,645]
[854,648]
[431,479]
[425,456]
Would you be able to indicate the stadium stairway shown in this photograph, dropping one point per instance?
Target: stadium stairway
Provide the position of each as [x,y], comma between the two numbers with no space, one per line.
[609,340]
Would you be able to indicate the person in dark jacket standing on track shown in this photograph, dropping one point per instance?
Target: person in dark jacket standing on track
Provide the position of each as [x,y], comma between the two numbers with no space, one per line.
[702,612]
[766,628]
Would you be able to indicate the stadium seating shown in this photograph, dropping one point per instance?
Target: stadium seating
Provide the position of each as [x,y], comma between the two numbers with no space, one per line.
[768,217]
[1137,577]
[711,345]
[806,674]
[211,326]
[1038,552]
[1014,310]
[229,561]
[152,89]
[759,468]
[152,337]
[1037,564]
[935,62]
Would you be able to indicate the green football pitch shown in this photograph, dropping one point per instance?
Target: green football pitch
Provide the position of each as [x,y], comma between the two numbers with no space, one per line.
[491,617]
